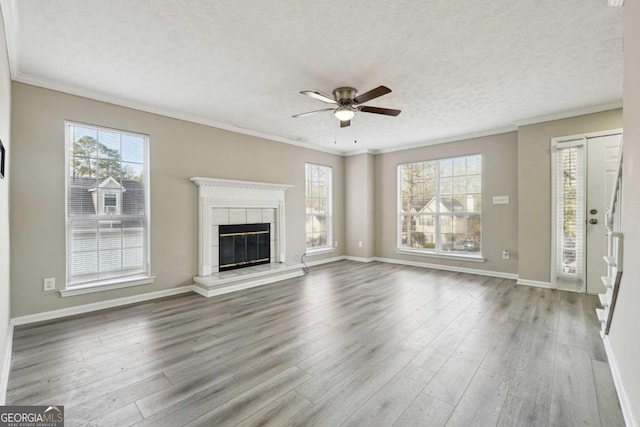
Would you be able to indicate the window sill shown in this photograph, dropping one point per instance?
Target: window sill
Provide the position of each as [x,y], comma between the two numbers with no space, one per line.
[107,285]
[320,251]
[457,257]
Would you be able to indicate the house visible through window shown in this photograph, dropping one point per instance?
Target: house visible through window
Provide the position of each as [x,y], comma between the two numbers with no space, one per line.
[107,205]
[440,205]
[318,202]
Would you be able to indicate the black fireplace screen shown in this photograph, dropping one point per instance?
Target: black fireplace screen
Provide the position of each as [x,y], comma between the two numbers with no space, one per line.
[244,245]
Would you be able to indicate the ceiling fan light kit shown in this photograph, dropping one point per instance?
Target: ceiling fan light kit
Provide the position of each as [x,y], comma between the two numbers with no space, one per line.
[348,102]
[344,113]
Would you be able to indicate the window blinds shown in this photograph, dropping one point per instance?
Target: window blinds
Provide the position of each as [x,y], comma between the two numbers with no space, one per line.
[440,205]
[318,206]
[570,210]
[107,204]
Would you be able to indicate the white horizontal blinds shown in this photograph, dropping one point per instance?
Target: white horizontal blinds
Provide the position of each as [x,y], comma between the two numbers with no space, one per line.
[318,206]
[441,205]
[418,188]
[570,210]
[460,204]
[107,224]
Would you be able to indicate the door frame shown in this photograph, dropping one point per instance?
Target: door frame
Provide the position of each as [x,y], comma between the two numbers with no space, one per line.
[567,141]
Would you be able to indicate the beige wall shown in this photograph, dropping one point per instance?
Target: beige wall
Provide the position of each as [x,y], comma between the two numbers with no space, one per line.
[178,150]
[534,186]
[500,178]
[624,335]
[359,206]
[5,123]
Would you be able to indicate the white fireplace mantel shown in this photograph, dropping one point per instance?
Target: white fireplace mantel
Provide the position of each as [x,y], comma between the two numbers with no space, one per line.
[225,193]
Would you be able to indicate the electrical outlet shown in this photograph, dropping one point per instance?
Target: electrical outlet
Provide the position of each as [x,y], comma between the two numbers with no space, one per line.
[335,244]
[506,254]
[360,243]
[50,284]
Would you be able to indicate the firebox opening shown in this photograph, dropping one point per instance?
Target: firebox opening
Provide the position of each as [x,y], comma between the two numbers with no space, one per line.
[244,245]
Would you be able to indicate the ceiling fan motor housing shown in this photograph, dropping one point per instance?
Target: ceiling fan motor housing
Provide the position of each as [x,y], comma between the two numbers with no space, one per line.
[345,95]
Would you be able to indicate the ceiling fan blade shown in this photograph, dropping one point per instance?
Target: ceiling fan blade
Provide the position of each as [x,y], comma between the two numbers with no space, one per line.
[316,94]
[373,93]
[345,123]
[378,110]
[313,112]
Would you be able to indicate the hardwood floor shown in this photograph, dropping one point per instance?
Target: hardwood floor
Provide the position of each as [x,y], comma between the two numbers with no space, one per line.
[349,344]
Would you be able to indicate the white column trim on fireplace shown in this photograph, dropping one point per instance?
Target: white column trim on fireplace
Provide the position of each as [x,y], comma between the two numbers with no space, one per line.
[226,193]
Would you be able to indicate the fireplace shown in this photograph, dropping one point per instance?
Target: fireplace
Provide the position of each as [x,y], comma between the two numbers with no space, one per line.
[240,224]
[244,245]
[223,202]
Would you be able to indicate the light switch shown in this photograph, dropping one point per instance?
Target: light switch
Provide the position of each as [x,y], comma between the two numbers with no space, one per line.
[500,200]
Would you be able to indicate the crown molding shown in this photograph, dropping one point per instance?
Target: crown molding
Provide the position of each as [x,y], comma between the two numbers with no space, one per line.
[148,108]
[357,152]
[111,99]
[569,113]
[456,138]
[116,100]
[10,19]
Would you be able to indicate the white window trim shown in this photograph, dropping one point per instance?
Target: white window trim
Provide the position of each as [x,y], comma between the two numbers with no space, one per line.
[558,277]
[107,285]
[441,255]
[429,252]
[319,251]
[117,282]
[329,247]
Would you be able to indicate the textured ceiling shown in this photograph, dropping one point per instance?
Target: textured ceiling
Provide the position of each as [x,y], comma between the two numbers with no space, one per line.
[455,67]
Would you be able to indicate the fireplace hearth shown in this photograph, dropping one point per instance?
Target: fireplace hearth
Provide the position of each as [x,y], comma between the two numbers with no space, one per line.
[244,245]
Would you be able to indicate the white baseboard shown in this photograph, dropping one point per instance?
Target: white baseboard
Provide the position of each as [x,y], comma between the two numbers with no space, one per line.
[6,365]
[359,259]
[535,283]
[499,274]
[324,261]
[86,308]
[627,412]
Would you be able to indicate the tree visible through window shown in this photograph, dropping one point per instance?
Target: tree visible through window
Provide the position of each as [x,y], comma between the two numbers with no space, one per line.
[318,206]
[440,205]
[107,217]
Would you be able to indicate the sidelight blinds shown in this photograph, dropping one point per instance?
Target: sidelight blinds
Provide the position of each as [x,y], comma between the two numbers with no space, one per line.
[318,207]
[107,204]
[569,193]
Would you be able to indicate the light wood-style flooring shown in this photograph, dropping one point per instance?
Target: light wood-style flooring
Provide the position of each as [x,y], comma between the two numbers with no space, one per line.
[349,344]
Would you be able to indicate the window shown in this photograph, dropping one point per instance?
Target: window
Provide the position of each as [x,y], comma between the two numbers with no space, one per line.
[110,200]
[568,163]
[107,206]
[440,206]
[318,201]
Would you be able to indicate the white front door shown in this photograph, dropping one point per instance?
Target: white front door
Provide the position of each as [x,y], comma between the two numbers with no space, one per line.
[602,163]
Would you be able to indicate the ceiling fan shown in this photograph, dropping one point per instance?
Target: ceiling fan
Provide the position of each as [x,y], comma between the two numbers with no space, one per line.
[347,103]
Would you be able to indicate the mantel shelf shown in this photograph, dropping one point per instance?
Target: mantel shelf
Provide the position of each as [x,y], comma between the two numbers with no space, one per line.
[230,183]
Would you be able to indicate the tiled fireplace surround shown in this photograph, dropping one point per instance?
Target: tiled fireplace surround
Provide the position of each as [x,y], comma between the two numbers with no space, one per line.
[237,216]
